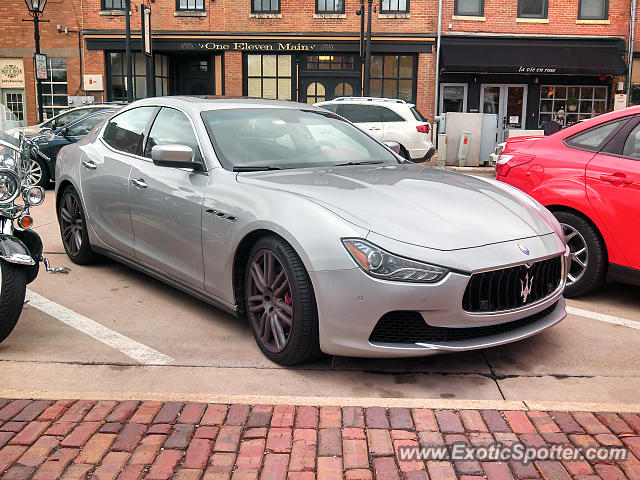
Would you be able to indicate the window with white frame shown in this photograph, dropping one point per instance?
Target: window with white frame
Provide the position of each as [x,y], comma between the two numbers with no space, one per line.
[54,88]
[568,104]
[394,6]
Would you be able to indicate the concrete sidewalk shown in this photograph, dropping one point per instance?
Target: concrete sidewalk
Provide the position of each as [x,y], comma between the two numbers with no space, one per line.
[77,439]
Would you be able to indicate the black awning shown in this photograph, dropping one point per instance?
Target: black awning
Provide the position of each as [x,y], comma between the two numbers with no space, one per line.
[533,56]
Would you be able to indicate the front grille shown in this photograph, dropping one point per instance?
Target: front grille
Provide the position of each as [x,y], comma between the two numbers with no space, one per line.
[513,287]
[410,327]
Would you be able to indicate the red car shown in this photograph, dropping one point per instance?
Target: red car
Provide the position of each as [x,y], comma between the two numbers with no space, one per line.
[588,175]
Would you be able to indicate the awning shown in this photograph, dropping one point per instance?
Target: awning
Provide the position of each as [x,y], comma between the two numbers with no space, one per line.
[533,56]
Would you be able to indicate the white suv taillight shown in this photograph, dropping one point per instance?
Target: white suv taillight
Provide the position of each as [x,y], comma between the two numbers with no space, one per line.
[423,128]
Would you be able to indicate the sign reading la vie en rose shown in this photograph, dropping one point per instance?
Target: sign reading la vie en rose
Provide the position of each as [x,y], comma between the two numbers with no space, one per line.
[11,73]
[259,47]
[523,69]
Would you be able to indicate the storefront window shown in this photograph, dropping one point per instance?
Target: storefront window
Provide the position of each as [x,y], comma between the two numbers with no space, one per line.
[453,98]
[593,10]
[329,6]
[117,73]
[394,6]
[570,104]
[635,83]
[54,88]
[392,76]
[269,76]
[471,8]
[532,8]
[330,62]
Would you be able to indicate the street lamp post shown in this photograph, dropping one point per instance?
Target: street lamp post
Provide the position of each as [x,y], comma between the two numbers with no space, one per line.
[127,8]
[36,8]
[367,51]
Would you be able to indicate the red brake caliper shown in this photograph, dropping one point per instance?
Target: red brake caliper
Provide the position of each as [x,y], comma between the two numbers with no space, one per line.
[287,298]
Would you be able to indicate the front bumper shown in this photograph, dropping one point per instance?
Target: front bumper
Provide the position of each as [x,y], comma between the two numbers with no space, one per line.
[350,304]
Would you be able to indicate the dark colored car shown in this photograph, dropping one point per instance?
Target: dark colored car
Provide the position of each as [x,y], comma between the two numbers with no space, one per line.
[42,167]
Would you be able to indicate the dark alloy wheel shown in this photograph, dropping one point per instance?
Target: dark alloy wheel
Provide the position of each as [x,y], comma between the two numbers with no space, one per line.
[38,172]
[280,303]
[587,267]
[73,228]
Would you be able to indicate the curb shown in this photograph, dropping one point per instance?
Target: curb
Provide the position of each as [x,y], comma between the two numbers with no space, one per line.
[435,404]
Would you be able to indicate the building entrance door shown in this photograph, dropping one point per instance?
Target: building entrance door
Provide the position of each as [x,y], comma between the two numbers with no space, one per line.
[13,99]
[195,75]
[325,77]
[509,102]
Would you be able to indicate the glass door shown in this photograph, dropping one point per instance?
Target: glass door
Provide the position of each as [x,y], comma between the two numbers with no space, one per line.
[13,99]
[509,103]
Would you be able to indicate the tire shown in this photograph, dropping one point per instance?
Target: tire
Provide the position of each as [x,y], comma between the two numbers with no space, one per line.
[292,294]
[578,232]
[38,173]
[13,289]
[73,228]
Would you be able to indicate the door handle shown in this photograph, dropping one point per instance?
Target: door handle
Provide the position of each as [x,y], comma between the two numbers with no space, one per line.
[621,179]
[374,128]
[139,182]
[91,165]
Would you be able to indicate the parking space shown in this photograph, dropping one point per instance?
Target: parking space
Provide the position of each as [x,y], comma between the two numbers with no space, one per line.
[99,315]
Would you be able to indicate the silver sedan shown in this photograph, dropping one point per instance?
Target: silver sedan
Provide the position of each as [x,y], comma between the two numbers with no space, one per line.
[324,239]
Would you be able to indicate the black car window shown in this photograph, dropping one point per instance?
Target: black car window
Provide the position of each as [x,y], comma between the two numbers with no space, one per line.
[172,127]
[67,118]
[389,115]
[360,113]
[124,131]
[417,115]
[631,147]
[332,107]
[85,125]
[594,138]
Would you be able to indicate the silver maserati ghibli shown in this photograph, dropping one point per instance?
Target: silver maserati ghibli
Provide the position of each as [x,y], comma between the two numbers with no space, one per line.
[324,239]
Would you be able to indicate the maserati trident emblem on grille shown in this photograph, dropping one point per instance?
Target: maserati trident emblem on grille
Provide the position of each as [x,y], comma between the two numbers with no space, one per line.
[525,287]
[523,249]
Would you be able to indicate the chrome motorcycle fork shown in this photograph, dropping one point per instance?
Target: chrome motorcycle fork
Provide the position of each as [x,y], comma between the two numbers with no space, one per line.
[6,226]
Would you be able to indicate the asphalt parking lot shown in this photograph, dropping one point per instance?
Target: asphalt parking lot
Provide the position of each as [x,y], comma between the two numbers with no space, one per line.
[108,328]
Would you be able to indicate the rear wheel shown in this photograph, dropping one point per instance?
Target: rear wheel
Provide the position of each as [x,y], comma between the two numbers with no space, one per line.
[280,303]
[12,290]
[73,228]
[587,254]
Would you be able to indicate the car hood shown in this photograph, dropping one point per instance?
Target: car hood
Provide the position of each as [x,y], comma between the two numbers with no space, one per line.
[414,204]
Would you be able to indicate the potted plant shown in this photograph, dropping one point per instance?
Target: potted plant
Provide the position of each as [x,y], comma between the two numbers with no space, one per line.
[572,104]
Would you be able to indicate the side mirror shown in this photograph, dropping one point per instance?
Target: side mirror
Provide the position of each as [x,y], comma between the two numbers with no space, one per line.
[394,146]
[47,134]
[177,156]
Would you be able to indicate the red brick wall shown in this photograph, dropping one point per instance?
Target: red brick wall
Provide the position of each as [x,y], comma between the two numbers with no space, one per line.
[17,41]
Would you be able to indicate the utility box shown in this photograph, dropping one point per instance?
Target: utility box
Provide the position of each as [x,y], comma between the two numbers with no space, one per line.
[80,101]
[442,149]
[482,128]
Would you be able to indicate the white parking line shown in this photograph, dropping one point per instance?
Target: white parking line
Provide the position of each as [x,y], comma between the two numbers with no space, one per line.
[139,352]
[603,317]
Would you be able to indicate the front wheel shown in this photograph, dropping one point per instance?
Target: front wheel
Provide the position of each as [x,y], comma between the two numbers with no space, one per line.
[587,254]
[280,303]
[12,291]
[73,228]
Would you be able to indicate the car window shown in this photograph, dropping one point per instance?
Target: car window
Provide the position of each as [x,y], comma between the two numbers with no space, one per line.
[632,144]
[360,113]
[289,138]
[124,131]
[593,138]
[388,115]
[417,115]
[85,125]
[67,118]
[332,107]
[172,127]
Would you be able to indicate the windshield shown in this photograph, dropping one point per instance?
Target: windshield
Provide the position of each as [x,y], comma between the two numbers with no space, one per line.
[288,138]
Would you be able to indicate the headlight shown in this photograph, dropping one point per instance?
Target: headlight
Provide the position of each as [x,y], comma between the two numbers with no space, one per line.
[33,195]
[9,186]
[7,160]
[381,264]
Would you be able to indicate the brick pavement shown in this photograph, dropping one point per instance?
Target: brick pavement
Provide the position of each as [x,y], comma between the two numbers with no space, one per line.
[46,440]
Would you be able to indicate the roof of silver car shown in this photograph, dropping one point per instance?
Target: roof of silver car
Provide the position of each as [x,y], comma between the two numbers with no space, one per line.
[214,102]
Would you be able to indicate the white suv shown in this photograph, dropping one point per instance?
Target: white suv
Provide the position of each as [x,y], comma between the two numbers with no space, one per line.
[387,119]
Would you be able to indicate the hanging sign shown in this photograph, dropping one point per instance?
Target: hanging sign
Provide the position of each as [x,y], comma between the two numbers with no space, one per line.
[41,66]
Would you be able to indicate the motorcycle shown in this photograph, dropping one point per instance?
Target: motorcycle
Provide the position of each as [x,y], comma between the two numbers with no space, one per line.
[20,247]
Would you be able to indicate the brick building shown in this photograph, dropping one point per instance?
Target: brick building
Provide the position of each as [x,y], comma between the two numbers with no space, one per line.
[526,60]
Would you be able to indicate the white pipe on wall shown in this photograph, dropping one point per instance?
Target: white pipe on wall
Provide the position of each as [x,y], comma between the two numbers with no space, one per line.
[632,31]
